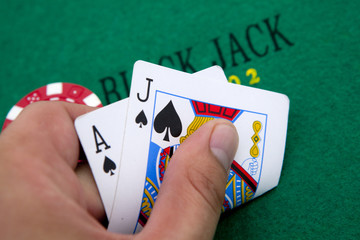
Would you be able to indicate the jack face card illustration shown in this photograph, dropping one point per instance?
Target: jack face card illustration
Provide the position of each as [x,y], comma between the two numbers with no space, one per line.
[175,119]
[175,105]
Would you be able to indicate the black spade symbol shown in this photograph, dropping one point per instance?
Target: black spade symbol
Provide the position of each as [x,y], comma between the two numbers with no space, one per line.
[141,118]
[109,165]
[168,119]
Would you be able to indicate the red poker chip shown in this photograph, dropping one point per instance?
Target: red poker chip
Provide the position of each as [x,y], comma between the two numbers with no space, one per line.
[67,92]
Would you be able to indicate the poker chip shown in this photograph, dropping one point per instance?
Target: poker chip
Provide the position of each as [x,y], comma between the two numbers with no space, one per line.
[66,92]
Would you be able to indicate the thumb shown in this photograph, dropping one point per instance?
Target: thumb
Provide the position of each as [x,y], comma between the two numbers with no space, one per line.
[190,199]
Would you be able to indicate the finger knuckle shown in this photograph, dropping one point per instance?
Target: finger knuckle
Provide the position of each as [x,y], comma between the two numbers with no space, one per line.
[207,186]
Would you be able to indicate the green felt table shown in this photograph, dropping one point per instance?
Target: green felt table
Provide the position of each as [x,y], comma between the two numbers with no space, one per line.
[308,50]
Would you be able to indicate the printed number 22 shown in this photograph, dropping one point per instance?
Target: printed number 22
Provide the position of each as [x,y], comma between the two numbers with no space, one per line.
[251,71]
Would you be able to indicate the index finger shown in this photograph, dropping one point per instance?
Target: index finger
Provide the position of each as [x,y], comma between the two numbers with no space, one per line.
[48,126]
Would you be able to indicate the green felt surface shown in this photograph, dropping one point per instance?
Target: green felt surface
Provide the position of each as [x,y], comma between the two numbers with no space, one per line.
[318,68]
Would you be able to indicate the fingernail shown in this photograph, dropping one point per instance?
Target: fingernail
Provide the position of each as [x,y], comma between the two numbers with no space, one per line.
[223,144]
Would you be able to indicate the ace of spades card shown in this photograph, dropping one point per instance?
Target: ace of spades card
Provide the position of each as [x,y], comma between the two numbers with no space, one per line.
[175,105]
[100,133]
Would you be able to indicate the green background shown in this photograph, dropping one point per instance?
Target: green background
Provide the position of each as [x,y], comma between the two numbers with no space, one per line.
[84,41]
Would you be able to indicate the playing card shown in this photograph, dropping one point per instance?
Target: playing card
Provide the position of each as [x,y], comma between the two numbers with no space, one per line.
[101,135]
[175,105]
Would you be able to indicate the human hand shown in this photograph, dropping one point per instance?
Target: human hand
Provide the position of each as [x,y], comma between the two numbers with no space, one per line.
[45,195]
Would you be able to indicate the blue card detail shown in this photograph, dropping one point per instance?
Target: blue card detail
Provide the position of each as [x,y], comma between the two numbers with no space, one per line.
[157,163]
[240,187]
[244,176]
[151,188]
